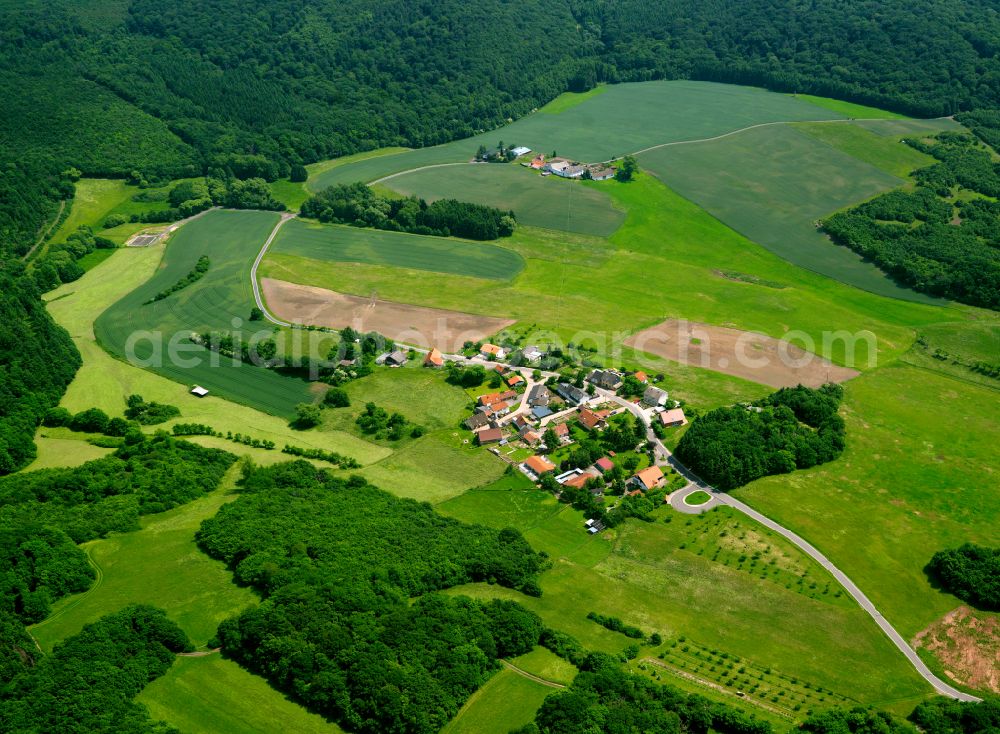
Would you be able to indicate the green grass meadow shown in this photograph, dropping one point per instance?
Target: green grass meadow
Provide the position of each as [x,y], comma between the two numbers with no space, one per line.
[506,702]
[159,565]
[919,474]
[339,243]
[212,695]
[539,201]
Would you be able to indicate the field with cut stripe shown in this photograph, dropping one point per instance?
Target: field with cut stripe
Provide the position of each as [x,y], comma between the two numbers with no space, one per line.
[338,243]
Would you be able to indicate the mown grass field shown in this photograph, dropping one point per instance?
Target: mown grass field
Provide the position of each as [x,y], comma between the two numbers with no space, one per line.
[159,565]
[919,474]
[666,577]
[105,382]
[94,199]
[599,126]
[772,184]
[212,695]
[536,200]
[506,702]
[338,243]
[220,301]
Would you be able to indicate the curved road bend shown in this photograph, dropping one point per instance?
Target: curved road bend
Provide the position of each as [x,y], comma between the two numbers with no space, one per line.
[723,498]
[806,547]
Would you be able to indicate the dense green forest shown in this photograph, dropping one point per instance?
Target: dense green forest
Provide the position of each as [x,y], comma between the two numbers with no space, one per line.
[970,572]
[88,683]
[338,562]
[361,206]
[794,428]
[943,237]
[942,715]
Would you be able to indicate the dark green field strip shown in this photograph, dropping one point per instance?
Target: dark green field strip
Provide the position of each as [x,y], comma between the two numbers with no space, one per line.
[772,184]
[335,243]
[623,119]
[231,240]
[550,202]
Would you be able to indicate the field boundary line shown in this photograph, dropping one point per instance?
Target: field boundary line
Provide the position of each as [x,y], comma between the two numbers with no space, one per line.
[46,232]
[420,168]
[531,676]
[80,598]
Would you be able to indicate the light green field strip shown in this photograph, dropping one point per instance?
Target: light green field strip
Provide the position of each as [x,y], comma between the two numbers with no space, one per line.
[212,695]
[506,702]
[552,202]
[622,119]
[337,243]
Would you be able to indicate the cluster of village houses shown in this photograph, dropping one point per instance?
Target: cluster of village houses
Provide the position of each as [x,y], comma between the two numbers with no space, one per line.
[562,167]
[520,416]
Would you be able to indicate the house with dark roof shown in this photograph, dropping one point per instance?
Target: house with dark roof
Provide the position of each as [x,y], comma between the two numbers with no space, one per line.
[396,359]
[540,411]
[654,396]
[539,395]
[572,394]
[479,420]
[606,379]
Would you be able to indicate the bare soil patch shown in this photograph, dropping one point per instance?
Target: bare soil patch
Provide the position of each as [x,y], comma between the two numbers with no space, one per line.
[402,322]
[745,354]
[968,645]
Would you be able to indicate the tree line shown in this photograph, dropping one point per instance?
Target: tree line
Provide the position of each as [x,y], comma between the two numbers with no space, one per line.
[362,206]
[931,239]
[794,428]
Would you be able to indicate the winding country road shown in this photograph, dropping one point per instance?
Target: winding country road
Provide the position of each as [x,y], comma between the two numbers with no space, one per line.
[721,498]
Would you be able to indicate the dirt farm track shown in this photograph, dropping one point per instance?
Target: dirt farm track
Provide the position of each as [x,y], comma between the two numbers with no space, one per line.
[417,325]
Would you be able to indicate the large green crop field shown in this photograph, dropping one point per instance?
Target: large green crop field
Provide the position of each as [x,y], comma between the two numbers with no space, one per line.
[539,201]
[336,243]
[230,240]
[772,184]
[621,119]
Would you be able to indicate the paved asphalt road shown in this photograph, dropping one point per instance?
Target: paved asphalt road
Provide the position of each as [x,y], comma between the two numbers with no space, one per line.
[664,455]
